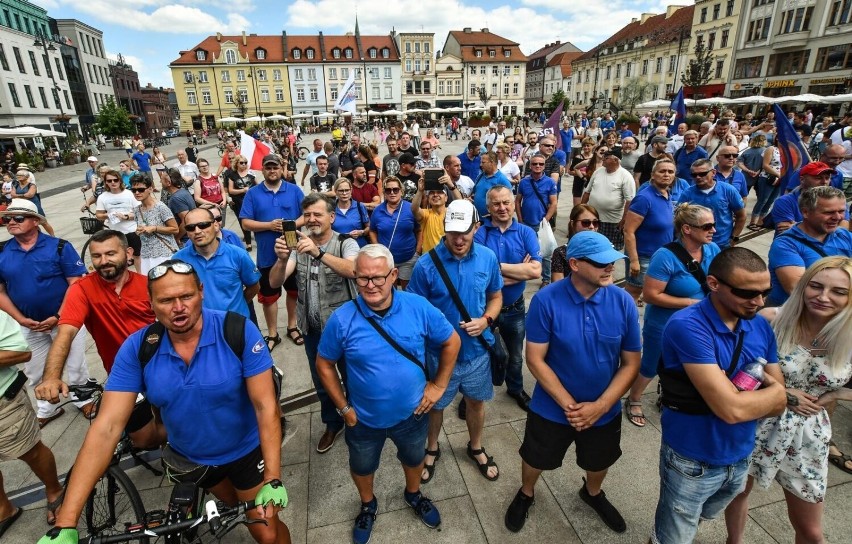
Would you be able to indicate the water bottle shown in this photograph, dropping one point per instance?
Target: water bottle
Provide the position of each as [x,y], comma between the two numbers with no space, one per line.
[750,377]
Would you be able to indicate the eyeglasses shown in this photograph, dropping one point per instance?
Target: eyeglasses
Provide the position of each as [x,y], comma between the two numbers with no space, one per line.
[344,190]
[546,145]
[203,225]
[242,162]
[536,164]
[697,175]
[177,266]
[16,218]
[378,281]
[392,190]
[729,155]
[745,294]
[706,227]
[138,190]
[589,222]
[111,180]
[594,263]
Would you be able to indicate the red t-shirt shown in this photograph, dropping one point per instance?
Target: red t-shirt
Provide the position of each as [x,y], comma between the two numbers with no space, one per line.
[365,194]
[110,317]
[211,191]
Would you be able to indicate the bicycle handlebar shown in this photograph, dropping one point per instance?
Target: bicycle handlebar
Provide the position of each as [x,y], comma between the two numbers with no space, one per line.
[87,390]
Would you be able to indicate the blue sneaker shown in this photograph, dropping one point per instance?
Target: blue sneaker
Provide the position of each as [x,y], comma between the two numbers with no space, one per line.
[423,509]
[364,522]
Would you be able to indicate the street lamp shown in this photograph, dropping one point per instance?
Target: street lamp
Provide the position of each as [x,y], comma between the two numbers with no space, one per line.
[47,46]
[499,109]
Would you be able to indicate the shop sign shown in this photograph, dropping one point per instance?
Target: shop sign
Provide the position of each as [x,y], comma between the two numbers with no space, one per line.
[780,83]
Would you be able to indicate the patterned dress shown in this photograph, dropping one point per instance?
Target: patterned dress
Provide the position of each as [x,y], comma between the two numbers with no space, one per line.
[791,448]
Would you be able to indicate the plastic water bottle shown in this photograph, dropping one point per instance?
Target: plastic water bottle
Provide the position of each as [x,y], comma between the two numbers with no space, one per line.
[750,377]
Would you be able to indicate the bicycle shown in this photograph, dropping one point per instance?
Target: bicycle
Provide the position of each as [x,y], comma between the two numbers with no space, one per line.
[90,225]
[303,152]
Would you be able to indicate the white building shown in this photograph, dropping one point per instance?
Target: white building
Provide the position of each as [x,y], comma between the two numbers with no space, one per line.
[303,56]
[416,51]
[93,61]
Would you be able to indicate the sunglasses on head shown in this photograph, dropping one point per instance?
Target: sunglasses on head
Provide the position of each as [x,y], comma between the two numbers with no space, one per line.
[138,190]
[745,294]
[706,227]
[589,222]
[202,225]
[177,266]
[594,263]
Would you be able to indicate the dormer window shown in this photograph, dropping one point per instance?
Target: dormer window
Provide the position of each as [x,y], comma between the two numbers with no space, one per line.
[348,52]
[492,53]
[335,53]
[201,55]
[478,53]
[373,53]
[260,53]
[230,56]
[309,53]
[385,53]
[297,54]
[507,53]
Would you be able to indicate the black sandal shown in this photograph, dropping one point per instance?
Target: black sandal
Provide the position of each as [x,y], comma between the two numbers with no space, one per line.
[298,340]
[430,469]
[483,467]
[53,506]
[275,341]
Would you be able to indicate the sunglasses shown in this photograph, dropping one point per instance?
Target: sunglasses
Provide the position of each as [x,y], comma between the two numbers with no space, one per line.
[745,294]
[706,227]
[729,155]
[697,175]
[111,180]
[242,162]
[392,190]
[546,145]
[16,219]
[203,225]
[536,164]
[589,222]
[139,190]
[594,263]
[177,266]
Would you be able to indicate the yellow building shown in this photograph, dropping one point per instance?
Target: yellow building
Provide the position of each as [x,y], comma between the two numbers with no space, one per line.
[715,24]
[231,76]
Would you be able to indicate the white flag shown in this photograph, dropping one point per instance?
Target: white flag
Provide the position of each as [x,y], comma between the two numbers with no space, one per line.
[347,98]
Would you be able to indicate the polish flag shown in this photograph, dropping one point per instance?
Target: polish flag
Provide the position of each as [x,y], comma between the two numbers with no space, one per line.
[253,150]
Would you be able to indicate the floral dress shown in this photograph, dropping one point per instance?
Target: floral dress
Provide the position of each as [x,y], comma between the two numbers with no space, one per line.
[791,448]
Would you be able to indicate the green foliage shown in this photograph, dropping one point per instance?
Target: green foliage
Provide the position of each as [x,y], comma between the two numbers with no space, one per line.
[697,72]
[114,121]
[695,119]
[559,97]
[634,92]
[627,118]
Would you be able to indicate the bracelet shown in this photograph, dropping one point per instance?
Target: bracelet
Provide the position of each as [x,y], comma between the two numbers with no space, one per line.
[792,400]
[320,255]
[343,411]
[56,315]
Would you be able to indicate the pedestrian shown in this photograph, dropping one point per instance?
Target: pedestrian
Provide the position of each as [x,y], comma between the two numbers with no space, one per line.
[155,224]
[583,217]
[610,191]
[394,226]
[725,201]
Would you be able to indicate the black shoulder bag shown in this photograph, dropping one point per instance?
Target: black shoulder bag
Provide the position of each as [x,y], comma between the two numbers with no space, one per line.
[692,266]
[816,249]
[402,351]
[498,353]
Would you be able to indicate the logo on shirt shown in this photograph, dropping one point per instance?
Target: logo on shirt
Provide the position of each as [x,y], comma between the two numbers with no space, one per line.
[153,339]
[258,347]
[80,262]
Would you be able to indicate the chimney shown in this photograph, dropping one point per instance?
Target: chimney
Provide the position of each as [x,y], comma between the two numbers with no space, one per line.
[633,20]
[646,16]
[485,31]
[670,10]
[245,41]
[467,30]
[218,36]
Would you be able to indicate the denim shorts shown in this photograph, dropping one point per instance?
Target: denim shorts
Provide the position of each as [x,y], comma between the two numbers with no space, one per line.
[366,444]
[638,281]
[471,378]
[691,491]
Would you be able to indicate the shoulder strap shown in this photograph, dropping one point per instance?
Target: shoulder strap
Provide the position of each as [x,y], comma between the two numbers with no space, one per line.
[61,246]
[151,341]
[819,251]
[677,154]
[736,356]
[393,343]
[439,266]
[538,194]
[233,329]
[692,266]
[361,212]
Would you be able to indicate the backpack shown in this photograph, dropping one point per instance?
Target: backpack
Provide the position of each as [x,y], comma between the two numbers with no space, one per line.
[59,246]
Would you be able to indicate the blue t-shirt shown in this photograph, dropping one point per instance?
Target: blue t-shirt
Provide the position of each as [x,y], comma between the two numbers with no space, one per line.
[36,280]
[684,159]
[697,335]
[626,133]
[181,201]
[475,277]
[725,201]
[384,387]
[737,179]
[223,276]
[395,230]
[585,339]
[355,218]
[607,125]
[566,137]
[143,160]
[204,405]
[232,238]
[481,186]
[511,247]
[796,180]
[532,209]
[788,250]
[657,227]
[470,167]
[786,209]
[675,190]
[262,204]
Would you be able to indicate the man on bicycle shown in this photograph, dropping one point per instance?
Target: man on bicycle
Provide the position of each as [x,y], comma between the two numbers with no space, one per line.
[219,409]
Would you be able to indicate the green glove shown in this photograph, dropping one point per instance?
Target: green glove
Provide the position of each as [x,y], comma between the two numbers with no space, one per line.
[272,492]
[60,535]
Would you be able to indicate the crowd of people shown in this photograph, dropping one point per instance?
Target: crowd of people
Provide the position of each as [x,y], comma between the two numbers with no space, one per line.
[404,277]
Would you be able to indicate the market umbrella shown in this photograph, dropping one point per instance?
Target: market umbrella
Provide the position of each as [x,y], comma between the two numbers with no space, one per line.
[253,119]
[838,98]
[277,117]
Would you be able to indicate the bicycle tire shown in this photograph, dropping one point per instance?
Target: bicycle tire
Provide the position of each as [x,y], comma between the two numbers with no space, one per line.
[87,260]
[303,153]
[221,151]
[113,503]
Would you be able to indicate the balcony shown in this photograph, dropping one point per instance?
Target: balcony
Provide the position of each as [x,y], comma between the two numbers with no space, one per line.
[793,40]
[420,74]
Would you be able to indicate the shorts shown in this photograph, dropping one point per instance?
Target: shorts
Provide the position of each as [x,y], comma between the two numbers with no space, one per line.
[577,187]
[135,243]
[19,432]
[471,378]
[406,267]
[546,443]
[638,281]
[141,415]
[366,444]
[269,295]
[244,473]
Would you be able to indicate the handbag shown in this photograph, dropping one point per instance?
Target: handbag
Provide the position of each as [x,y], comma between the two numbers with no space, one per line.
[497,351]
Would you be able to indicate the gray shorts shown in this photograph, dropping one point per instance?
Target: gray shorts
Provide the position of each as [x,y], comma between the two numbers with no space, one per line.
[19,432]
[406,267]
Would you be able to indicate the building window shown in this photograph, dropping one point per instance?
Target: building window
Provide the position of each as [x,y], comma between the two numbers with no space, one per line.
[298,74]
[226,76]
[373,53]
[717,8]
[441,87]
[312,74]
[645,67]
[608,72]
[279,94]
[759,29]
[407,65]
[347,52]
[473,89]
[427,87]
[788,63]
[19,60]
[230,56]
[260,54]
[244,97]
[729,9]
[385,53]
[241,75]
[720,65]
[628,71]
[297,54]
[838,57]
[387,73]
[300,95]
[505,89]
[409,87]
[309,53]
[376,92]
[482,70]
[840,12]
[388,92]
[276,75]
[205,97]
[703,18]
[229,96]
[408,47]
[29,92]
[200,55]
[724,41]
[33,62]
[374,73]
[264,95]
[191,99]
[344,73]
[416,47]
[748,68]
[56,99]
[314,94]
[477,53]
[202,76]
[332,73]
[659,65]
[261,75]
[515,89]
[43,96]
[494,89]
[417,65]
[796,20]
[3,60]
[335,53]
[457,86]
[333,92]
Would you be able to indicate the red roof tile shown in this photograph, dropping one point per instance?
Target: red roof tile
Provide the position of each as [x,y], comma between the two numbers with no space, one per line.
[212,45]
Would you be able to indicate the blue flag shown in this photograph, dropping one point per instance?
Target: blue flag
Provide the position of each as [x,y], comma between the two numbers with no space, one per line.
[793,153]
[679,107]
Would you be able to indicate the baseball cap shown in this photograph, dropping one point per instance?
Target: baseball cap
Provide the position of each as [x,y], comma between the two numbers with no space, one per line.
[592,245]
[659,140]
[272,158]
[612,153]
[92,159]
[406,158]
[461,216]
[815,169]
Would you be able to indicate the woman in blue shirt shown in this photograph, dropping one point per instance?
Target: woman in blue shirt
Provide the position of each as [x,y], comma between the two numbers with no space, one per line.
[393,225]
[669,287]
[350,216]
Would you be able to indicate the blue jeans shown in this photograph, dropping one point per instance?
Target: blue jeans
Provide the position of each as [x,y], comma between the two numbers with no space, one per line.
[513,330]
[366,444]
[691,491]
[545,259]
[766,195]
[328,411]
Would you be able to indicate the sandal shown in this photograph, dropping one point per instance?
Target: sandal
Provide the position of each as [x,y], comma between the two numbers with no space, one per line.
[6,523]
[753,226]
[430,469]
[483,467]
[298,340]
[89,411]
[275,340]
[840,461]
[636,419]
[53,506]
[43,421]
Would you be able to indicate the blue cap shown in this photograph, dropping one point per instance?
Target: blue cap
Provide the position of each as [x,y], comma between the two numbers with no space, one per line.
[594,246]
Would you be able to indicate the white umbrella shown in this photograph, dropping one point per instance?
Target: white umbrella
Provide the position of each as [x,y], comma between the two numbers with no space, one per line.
[456,109]
[229,119]
[277,117]
[253,119]
[714,100]
[326,115]
[372,113]
[391,112]
[437,110]
[805,98]
[416,110]
[659,103]
[838,98]
[301,116]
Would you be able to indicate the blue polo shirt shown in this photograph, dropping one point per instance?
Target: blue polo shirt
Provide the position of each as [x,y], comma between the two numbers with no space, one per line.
[586,338]
[607,126]
[143,160]
[223,276]
[355,218]
[675,190]
[481,186]
[737,179]
[796,180]
[36,280]
[395,230]
[232,238]
[470,167]
[684,159]
[262,204]
[566,137]
[511,247]
[657,227]
[204,405]
[383,386]
[532,210]
[724,200]
[697,335]
[788,250]
[475,276]
[786,208]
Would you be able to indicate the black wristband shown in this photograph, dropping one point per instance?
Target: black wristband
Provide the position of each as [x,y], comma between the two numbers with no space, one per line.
[321,255]
[56,315]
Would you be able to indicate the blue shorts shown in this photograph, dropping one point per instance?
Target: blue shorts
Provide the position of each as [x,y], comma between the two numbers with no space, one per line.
[472,378]
[638,281]
[366,444]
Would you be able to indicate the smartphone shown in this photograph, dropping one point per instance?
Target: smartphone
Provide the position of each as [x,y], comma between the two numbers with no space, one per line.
[290,233]
[430,179]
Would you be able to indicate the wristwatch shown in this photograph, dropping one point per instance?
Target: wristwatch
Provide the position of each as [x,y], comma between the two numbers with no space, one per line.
[735,238]
[320,255]
[489,319]
[343,411]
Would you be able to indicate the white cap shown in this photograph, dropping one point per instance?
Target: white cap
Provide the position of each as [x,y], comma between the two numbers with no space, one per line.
[92,158]
[461,216]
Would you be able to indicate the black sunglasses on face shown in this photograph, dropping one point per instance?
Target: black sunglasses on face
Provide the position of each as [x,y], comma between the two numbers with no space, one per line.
[203,225]
[138,190]
[16,219]
[589,222]
[697,175]
[392,190]
[111,180]
[594,263]
[745,294]
[729,155]
[706,227]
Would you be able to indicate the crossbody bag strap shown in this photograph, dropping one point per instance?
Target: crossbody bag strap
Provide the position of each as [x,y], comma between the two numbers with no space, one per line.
[692,266]
[439,266]
[538,194]
[818,250]
[393,343]
[736,357]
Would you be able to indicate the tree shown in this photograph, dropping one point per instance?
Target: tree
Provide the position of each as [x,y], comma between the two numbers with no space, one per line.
[114,121]
[483,95]
[559,97]
[697,72]
[634,92]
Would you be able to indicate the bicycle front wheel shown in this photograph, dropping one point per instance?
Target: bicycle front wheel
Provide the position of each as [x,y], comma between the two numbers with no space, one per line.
[113,503]
[303,153]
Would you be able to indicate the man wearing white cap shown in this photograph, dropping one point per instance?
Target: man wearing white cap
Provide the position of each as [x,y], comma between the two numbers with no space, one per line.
[35,272]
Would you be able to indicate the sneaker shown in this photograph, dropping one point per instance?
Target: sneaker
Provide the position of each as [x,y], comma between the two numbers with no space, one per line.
[423,509]
[363,528]
[327,439]
[518,512]
[605,510]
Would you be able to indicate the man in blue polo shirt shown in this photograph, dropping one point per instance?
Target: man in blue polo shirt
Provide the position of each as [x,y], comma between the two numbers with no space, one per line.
[536,202]
[265,208]
[518,252]
[831,157]
[817,235]
[583,347]
[688,154]
[470,159]
[229,276]
[785,210]
[725,171]
[474,273]
[708,424]
[722,198]
[488,178]
[607,124]
[388,389]
[143,161]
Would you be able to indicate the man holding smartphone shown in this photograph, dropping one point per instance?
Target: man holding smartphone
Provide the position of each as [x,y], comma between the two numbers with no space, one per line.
[436,184]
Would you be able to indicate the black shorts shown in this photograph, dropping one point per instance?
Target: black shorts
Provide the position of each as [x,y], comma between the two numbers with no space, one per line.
[577,187]
[139,417]
[135,243]
[244,473]
[271,294]
[546,443]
